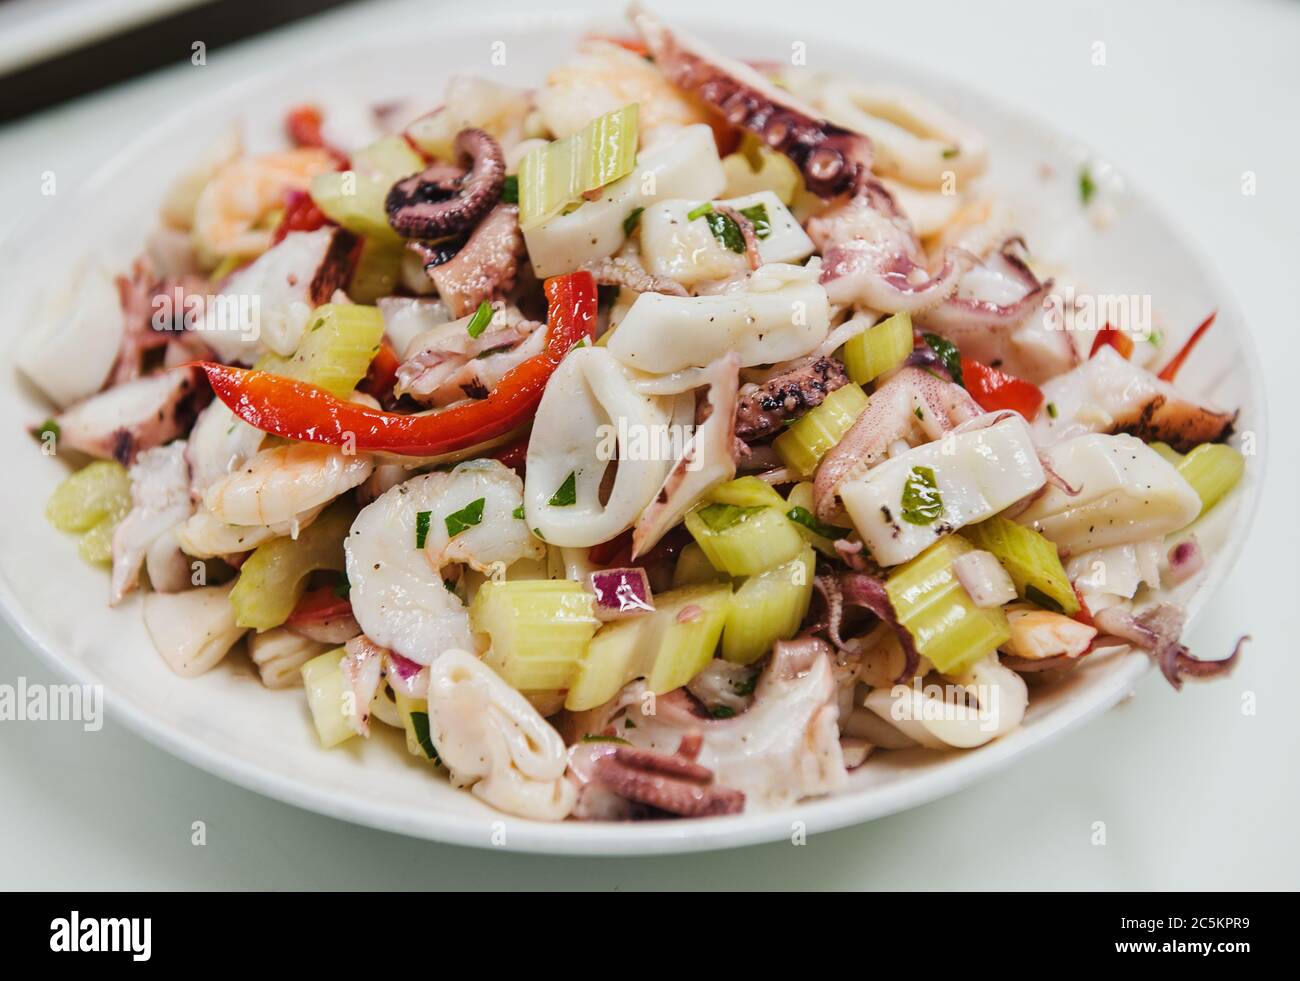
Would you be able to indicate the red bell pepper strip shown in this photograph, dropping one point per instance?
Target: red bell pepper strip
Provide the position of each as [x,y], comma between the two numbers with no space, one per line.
[1168,372]
[295,410]
[513,455]
[300,215]
[994,390]
[1116,338]
[382,374]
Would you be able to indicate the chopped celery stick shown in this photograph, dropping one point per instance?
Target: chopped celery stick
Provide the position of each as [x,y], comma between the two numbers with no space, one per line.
[946,625]
[273,579]
[378,271]
[801,498]
[539,629]
[356,202]
[415,722]
[693,568]
[1030,559]
[756,168]
[668,647]
[1168,452]
[327,689]
[743,541]
[390,159]
[560,173]
[340,342]
[808,439]
[746,492]
[96,545]
[879,349]
[97,491]
[1212,469]
[768,607]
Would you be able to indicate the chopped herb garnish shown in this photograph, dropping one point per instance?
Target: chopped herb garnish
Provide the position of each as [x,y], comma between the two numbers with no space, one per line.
[747,686]
[1087,186]
[1051,409]
[720,517]
[722,711]
[479,322]
[757,215]
[947,353]
[342,588]
[420,725]
[950,152]
[518,513]
[49,426]
[699,212]
[802,516]
[726,231]
[592,737]
[567,494]
[510,190]
[422,528]
[632,220]
[1156,338]
[921,501]
[919,414]
[467,517]
[1040,598]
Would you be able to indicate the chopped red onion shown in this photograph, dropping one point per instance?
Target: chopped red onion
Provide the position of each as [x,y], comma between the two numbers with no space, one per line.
[621,593]
[1185,560]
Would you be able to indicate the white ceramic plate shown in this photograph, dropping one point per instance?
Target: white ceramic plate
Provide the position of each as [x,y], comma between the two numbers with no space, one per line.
[227,723]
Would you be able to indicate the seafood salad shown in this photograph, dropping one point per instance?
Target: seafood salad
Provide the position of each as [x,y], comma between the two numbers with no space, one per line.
[662,441]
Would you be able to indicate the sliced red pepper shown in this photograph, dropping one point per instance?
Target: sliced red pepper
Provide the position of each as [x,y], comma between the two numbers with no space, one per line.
[300,215]
[295,410]
[382,374]
[514,455]
[994,390]
[1168,372]
[1116,338]
[320,604]
[303,124]
[1083,614]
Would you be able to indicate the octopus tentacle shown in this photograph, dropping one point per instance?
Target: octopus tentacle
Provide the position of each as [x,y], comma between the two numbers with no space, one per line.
[832,159]
[437,202]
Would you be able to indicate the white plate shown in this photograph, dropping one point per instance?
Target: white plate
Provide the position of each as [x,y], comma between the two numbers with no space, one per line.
[227,723]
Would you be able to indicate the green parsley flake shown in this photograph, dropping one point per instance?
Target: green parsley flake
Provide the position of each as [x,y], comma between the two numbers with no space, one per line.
[479,322]
[567,494]
[422,528]
[1087,186]
[632,220]
[757,215]
[921,501]
[802,516]
[467,517]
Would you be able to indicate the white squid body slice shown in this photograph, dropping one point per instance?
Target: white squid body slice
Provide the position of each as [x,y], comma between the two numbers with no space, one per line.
[397,590]
[74,338]
[686,165]
[590,414]
[1128,493]
[280,483]
[1117,570]
[194,630]
[686,250]
[923,714]
[779,313]
[978,473]
[494,742]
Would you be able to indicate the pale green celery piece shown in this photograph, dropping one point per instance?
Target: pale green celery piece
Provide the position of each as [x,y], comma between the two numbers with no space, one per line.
[744,540]
[745,492]
[97,491]
[694,568]
[335,352]
[1030,558]
[558,174]
[273,579]
[378,272]
[878,349]
[810,437]
[1212,469]
[931,605]
[767,608]
[322,676]
[539,629]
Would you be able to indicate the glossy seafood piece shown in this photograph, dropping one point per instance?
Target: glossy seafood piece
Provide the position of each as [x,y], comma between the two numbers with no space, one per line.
[160,502]
[1109,394]
[192,631]
[784,747]
[831,158]
[914,406]
[122,422]
[494,742]
[279,653]
[1126,493]
[445,364]
[397,590]
[486,266]
[282,482]
[977,472]
[434,204]
[762,410]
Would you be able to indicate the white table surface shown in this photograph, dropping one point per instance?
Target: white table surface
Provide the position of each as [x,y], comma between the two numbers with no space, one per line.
[1193,792]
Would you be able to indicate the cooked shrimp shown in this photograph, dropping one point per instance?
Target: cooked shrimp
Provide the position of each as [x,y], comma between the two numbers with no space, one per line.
[397,591]
[284,481]
[245,191]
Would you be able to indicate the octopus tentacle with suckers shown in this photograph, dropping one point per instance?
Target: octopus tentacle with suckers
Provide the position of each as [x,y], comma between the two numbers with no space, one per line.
[439,202]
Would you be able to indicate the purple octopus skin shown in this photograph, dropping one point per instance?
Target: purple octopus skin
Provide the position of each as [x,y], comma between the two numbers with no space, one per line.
[439,202]
[485,268]
[763,411]
[832,160]
[671,783]
[867,591]
[1157,631]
